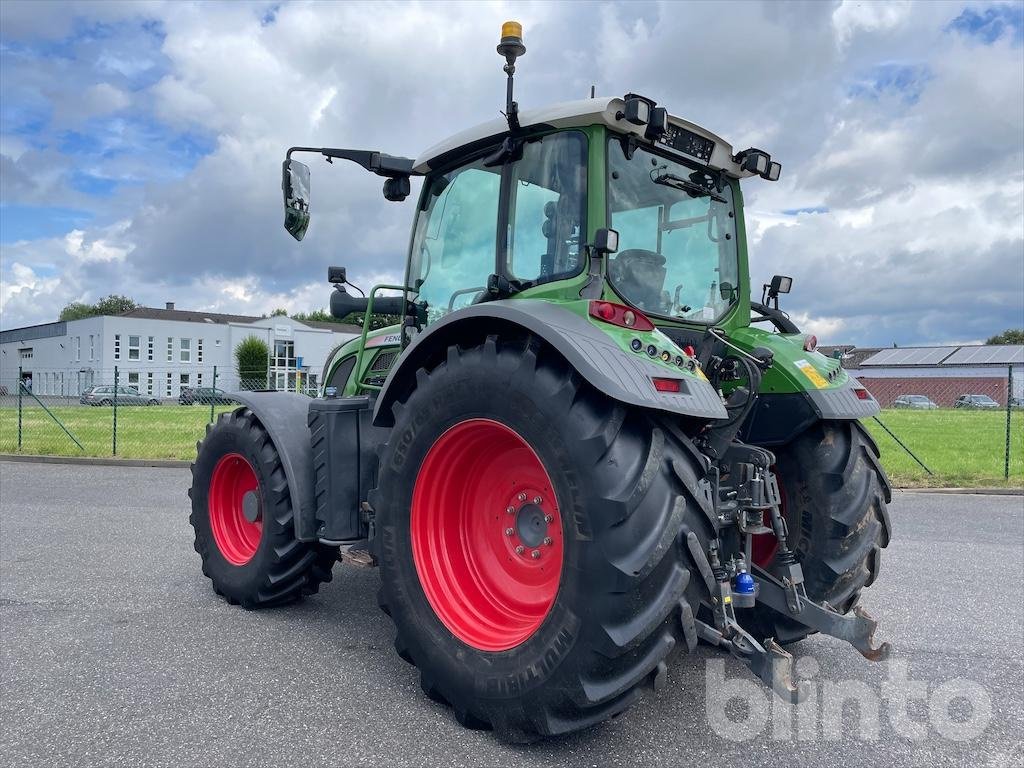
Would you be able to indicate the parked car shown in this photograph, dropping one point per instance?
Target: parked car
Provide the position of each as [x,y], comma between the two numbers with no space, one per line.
[205,395]
[104,395]
[1017,403]
[977,402]
[917,402]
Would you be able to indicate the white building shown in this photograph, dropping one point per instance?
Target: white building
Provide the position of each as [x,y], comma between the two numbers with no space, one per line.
[161,350]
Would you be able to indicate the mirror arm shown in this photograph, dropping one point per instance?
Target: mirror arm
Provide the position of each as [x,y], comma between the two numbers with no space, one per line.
[375,162]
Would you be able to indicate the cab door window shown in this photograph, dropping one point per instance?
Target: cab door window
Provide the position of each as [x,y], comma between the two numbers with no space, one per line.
[455,238]
[548,208]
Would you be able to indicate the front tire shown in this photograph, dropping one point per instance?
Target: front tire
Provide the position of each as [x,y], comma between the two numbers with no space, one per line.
[835,496]
[243,519]
[533,644]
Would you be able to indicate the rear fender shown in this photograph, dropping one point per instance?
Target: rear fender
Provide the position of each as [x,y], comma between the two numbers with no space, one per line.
[622,376]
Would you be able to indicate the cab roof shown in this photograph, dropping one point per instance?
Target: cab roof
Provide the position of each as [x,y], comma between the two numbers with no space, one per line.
[569,114]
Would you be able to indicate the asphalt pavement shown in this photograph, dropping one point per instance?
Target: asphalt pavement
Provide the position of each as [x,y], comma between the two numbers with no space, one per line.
[115,651]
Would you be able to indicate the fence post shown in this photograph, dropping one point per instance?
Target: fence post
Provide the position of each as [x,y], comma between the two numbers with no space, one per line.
[1009,410]
[21,384]
[115,410]
[213,396]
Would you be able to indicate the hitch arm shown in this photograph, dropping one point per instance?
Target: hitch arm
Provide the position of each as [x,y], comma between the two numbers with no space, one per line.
[770,663]
[856,628]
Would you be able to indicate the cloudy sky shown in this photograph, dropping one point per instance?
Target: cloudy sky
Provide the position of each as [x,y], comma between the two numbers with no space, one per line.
[140,143]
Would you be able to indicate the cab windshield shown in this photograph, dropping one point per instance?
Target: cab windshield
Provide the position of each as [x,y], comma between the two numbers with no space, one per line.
[677,236]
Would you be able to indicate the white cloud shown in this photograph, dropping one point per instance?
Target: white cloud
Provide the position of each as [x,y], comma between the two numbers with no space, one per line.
[922,181]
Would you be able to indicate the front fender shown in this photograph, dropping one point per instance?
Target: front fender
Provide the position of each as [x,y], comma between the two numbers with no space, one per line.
[621,375]
[285,416]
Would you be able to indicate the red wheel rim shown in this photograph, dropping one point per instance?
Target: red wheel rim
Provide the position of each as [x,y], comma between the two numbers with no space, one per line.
[234,491]
[486,535]
[763,546]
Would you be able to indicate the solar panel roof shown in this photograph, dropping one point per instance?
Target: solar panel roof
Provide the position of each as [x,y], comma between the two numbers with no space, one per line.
[911,356]
[1004,354]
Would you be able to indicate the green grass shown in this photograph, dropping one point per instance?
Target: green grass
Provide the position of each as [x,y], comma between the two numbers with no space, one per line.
[962,448]
[157,432]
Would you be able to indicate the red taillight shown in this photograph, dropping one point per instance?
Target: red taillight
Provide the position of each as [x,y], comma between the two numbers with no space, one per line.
[668,385]
[620,315]
[862,394]
[811,343]
[689,351]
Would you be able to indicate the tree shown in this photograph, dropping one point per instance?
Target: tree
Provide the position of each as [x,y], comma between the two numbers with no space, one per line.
[252,356]
[113,304]
[76,310]
[1009,336]
[279,312]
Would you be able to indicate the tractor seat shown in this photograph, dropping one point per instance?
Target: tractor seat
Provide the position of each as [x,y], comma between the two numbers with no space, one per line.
[639,275]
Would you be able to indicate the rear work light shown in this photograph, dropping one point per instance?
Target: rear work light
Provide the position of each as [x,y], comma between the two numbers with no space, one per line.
[668,385]
[811,343]
[620,315]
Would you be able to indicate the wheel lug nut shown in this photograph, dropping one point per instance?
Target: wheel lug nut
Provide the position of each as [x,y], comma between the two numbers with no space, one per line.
[547,541]
[520,549]
[549,518]
[537,499]
[510,510]
[535,554]
[522,497]
[509,531]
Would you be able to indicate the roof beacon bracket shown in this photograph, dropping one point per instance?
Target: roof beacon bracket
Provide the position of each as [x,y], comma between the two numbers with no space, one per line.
[511,47]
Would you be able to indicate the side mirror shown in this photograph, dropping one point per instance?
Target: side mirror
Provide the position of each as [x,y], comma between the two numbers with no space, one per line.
[780,284]
[295,185]
[606,241]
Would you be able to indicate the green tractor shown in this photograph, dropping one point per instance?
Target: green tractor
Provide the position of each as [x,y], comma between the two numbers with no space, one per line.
[582,445]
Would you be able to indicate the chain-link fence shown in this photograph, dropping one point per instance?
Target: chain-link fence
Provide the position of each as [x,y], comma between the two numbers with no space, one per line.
[150,413]
[954,431]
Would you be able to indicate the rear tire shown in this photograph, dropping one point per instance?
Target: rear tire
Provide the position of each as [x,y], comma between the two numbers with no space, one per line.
[626,493]
[243,519]
[835,504]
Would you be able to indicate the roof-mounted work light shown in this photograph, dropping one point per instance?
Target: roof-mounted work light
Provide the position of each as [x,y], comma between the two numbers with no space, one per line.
[759,162]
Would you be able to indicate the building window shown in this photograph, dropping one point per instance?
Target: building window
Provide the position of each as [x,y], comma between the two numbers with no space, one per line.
[169,381]
[199,350]
[149,349]
[170,351]
[216,343]
[117,346]
[78,349]
[149,383]
[186,350]
[284,354]
[133,379]
[134,353]
[183,379]
[92,347]
[25,353]
[199,379]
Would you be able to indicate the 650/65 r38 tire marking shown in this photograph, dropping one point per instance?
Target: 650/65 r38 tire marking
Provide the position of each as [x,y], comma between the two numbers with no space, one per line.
[486,535]
[497,448]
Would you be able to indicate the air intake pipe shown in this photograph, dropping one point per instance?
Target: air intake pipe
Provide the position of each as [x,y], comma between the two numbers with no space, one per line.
[344,304]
